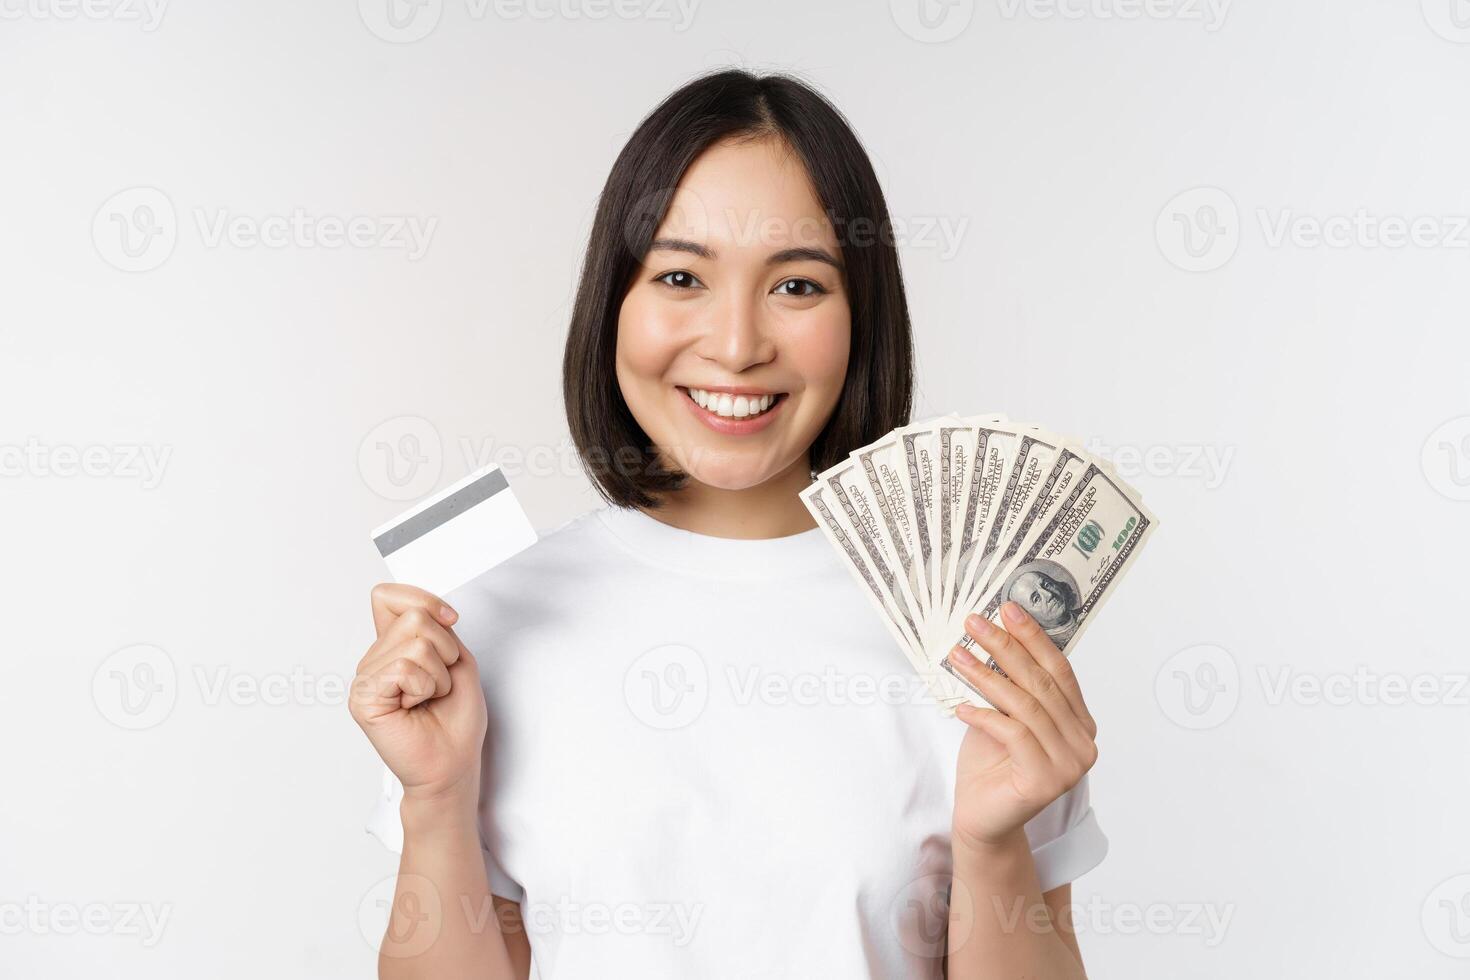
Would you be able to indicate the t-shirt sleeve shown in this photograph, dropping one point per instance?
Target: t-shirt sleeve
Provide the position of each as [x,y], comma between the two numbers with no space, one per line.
[1066,841]
[386,825]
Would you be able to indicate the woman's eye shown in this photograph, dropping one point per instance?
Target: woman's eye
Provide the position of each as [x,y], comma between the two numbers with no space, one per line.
[686,280]
[805,287]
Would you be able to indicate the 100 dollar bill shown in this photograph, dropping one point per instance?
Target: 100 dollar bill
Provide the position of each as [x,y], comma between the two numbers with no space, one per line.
[1065,568]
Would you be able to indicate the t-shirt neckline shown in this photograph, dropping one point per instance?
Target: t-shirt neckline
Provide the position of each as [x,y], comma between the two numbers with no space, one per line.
[715,557]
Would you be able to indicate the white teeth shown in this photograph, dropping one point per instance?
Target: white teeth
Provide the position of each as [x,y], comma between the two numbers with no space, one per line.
[731,406]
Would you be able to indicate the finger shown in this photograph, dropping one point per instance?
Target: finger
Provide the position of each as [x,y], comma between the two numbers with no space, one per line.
[1015,658]
[400,684]
[1018,740]
[1004,693]
[392,599]
[417,623]
[465,678]
[1028,631]
[418,651]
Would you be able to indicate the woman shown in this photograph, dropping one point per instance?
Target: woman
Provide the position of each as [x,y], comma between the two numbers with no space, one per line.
[702,756]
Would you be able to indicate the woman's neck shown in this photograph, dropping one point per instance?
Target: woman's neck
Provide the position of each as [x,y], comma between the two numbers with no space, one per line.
[770,510]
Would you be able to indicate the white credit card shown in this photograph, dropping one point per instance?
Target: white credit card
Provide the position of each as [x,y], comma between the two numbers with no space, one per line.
[456,535]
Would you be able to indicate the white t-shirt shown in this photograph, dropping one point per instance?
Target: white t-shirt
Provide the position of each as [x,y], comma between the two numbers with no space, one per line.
[707,758]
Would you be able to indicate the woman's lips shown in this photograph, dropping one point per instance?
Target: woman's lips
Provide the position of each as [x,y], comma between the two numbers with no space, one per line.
[729,426]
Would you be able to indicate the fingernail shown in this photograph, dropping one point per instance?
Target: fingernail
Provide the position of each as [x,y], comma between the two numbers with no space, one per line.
[1013,613]
[962,656]
[977,624]
[447,614]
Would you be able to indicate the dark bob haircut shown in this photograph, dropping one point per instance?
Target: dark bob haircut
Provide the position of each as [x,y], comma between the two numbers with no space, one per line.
[877,393]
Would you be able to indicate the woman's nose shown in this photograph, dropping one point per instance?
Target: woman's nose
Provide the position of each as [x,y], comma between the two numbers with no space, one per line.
[736,337]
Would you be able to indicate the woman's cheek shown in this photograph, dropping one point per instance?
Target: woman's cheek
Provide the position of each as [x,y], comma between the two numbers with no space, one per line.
[648,336]
[822,350]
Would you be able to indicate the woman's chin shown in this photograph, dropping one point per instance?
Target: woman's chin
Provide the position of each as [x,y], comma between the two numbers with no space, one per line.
[730,475]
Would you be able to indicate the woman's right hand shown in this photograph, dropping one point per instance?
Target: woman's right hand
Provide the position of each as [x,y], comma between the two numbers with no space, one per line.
[417,696]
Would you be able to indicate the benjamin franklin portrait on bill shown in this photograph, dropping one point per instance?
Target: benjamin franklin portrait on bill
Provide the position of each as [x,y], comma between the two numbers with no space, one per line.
[1049,593]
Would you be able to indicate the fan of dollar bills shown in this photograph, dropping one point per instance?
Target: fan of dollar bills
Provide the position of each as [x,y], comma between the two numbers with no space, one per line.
[960,514]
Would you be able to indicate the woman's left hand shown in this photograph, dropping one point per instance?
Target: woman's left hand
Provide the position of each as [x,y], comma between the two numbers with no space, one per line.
[1013,764]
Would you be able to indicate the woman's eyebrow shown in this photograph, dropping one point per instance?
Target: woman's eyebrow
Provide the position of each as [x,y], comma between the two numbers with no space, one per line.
[802,254]
[805,255]
[680,245]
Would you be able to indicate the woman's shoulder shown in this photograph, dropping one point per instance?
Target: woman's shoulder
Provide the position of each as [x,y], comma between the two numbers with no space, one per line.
[570,532]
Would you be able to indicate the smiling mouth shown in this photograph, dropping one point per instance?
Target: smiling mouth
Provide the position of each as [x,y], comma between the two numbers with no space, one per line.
[733,406]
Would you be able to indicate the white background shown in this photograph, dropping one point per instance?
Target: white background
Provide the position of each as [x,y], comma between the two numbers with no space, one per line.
[1288,396]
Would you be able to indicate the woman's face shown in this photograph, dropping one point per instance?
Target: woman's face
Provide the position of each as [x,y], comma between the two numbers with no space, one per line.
[733,338]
